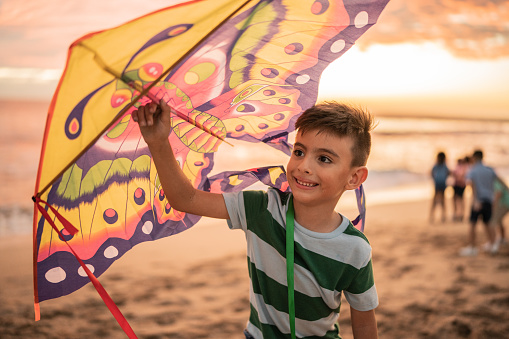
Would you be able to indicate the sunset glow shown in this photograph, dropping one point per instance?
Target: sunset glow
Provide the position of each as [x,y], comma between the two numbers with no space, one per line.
[445,58]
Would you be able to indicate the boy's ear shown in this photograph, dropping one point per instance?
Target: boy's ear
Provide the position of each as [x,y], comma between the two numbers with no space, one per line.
[358,176]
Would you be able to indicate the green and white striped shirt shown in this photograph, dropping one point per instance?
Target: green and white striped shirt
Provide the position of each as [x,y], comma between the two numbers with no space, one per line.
[326,264]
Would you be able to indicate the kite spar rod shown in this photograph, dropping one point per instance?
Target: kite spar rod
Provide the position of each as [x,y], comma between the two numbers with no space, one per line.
[142,93]
[145,92]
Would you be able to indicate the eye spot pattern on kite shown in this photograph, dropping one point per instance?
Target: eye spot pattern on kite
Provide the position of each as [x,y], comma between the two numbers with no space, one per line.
[110,216]
[66,236]
[82,272]
[294,48]
[263,126]
[150,71]
[245,108]
[120,96]
[139,196]
[167,208]
[161,195]
[284,101]
[55,275]
[302,79]
[147,227]
[270,72]
[338,46]
[111,252]
[74,127]
[361,19]
[319,7]
[269,92]
[279,116]
[239,128]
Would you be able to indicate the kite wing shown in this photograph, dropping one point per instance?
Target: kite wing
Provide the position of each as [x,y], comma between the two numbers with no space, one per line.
[238,69]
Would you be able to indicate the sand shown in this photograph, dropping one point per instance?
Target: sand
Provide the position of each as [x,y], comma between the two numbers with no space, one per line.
[195,285]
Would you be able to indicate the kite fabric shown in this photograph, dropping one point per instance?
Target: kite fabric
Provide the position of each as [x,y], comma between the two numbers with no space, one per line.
[238,70]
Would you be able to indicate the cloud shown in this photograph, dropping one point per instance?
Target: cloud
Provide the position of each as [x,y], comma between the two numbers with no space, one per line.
[467,28]
[35,33]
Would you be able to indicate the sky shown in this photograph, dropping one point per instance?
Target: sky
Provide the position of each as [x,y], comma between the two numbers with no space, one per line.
[446,58]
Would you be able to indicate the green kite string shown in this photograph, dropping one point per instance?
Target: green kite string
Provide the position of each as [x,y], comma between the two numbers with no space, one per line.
[289,264]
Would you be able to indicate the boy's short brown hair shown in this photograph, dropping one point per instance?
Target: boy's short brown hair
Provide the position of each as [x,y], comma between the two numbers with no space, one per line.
[340,120]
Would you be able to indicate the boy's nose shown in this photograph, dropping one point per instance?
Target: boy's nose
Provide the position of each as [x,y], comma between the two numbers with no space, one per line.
[304,166]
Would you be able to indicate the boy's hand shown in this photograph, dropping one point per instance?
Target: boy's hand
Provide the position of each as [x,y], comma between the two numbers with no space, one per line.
[155,124]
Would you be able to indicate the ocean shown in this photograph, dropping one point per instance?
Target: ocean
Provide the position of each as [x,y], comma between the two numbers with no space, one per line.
[403,152]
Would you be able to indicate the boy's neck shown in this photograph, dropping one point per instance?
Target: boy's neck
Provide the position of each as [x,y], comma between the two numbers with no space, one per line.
[320,220]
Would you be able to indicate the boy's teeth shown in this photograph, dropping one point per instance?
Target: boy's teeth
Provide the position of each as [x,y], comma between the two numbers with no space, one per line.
[306,184]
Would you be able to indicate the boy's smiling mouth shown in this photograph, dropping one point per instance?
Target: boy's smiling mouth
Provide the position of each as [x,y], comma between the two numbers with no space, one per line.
[304,183]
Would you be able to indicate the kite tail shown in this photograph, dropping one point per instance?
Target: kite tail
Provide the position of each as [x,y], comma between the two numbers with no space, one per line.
[360,221]
[100,289]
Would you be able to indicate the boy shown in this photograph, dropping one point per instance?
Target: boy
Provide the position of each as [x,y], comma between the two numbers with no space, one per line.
[331,256]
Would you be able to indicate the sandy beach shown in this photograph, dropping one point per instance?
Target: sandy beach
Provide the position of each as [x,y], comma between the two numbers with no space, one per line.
[195,285]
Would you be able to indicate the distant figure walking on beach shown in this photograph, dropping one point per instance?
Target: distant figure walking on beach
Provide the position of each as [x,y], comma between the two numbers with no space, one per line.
[500,209]
[460,181]
[439,173]
[482,179]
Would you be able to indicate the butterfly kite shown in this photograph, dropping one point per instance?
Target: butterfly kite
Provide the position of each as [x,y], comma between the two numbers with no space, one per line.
[231,69]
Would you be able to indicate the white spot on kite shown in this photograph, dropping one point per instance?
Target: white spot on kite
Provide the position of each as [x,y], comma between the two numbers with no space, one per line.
[55,275]
[147,227]
[110,252]
[82,272]
[338,46]
[361,19]
[302,79]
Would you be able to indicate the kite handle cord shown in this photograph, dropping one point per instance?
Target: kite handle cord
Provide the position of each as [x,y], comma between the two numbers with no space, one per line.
[290,248]
[290,251]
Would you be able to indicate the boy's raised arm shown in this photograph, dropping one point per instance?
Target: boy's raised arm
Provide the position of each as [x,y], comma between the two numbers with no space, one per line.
[181,195]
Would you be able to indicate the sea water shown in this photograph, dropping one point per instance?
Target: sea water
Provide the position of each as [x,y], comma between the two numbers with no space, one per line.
[403,152]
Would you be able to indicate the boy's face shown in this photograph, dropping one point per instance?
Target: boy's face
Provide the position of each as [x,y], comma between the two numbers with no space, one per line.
[319,170]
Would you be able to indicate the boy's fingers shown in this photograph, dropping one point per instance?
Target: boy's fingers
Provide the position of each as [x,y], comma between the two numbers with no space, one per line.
[164,106]
[152,106]
[166,112]
[149,114]
[141,116]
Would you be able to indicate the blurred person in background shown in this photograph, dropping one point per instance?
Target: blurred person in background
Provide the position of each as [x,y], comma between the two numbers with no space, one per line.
[460,182]
[481,178]
[500,209]
[439,173]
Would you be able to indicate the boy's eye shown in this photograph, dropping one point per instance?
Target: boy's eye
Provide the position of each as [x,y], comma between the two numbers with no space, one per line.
[298,153]
[324,159]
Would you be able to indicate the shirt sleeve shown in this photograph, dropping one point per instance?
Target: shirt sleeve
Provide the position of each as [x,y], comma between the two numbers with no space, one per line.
[362,294]
[236,210]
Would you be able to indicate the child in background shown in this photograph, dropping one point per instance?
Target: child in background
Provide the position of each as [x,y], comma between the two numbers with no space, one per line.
[439,173]
[460,182]
[331,257]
